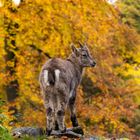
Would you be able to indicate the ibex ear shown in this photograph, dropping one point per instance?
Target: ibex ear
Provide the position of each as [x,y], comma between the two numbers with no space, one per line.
[74,50]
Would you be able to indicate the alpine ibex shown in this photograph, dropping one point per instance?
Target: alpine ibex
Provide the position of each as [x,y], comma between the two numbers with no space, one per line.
[59,80]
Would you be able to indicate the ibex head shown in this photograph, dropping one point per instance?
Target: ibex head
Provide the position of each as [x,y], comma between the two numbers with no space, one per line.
[83,56]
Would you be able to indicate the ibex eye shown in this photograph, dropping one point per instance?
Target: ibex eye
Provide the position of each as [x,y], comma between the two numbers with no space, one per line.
[84,55]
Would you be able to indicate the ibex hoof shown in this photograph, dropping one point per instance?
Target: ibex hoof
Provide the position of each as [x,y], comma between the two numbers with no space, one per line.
[48,132]
[78,130]
[64,130]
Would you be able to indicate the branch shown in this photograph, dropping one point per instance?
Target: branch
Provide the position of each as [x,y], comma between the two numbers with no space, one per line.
[40,51]
[74,132]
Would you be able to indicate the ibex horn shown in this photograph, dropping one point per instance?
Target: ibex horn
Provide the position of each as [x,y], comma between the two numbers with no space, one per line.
[81,45]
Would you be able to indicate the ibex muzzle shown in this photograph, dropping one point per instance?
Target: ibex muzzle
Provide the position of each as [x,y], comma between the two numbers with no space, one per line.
[59,80]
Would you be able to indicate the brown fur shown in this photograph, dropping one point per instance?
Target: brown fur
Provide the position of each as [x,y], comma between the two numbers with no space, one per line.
[59,95]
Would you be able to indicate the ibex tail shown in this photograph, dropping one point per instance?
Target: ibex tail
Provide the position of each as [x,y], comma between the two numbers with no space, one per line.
[51,77]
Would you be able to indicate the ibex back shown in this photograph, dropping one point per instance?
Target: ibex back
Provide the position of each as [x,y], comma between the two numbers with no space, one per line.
[59,80]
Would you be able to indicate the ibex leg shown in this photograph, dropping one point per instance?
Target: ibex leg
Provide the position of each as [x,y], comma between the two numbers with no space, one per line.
[50,117]
[73,111]
[60,113]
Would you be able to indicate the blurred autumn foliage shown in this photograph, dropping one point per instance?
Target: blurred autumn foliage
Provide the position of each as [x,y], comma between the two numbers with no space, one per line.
[38,29]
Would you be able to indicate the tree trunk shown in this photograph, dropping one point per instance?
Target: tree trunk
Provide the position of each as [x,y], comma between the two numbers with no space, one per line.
[10,46]
[74,132]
